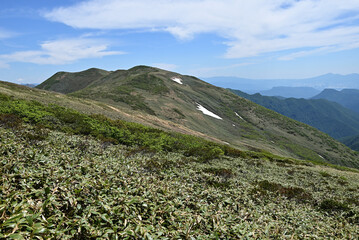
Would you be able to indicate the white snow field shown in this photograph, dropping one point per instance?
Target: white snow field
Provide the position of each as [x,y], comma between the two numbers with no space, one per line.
[207,112]
[177,80]
[239,116]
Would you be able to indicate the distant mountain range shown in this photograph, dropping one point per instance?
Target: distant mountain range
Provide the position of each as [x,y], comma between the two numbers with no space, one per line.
[288,92]
[32,85]
[330,80]
[329,117]
[186,104]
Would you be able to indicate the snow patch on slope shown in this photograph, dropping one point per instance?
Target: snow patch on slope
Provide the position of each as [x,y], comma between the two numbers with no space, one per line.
[239,116]
[177,80]
[207,112]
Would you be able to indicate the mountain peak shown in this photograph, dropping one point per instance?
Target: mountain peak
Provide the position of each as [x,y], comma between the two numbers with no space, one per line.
[66,82]
[330,90]
[142,68]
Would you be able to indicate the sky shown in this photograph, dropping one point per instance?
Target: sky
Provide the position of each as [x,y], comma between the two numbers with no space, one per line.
[261,39]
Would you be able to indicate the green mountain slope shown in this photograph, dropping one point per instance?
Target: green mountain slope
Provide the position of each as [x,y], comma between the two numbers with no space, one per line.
[65,82]
[69,175]
[326,116]
[152,95]
[348,98]
[351,141]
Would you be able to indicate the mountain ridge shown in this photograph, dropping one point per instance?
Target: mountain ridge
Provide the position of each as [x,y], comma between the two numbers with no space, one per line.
[329,117]
[348,98]
[288,92]
[321,82]
[152,93]
[63,81]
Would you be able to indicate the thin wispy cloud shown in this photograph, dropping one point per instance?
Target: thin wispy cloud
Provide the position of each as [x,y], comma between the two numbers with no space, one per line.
[167,66]
[5,34]
[210,71]
[4,65]
[249,28]
[61,52]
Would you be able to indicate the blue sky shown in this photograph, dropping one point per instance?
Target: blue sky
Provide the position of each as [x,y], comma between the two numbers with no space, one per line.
[205,38]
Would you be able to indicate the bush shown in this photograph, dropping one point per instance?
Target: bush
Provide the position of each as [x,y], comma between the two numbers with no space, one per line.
[10,120]
[220,172]
[205,153]
[324,174]
[297,193]
[331,205]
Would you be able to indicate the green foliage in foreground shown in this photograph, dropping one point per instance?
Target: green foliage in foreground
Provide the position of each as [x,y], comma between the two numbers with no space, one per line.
[65,186]
[67,175]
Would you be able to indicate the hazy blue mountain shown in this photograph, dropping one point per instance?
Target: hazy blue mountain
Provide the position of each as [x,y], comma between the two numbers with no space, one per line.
[287,92]
[329,80]
[32,85]
[349,98]
[245,84]
[329,117]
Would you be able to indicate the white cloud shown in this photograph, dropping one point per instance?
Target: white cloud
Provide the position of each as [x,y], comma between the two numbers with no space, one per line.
[221,70]
[251,28]
[61,52]
[165,66]
[5,34]
[4,65]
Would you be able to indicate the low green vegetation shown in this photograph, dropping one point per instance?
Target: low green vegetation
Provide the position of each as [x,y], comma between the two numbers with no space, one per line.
[67,175]
[122,94]
[14,112]
[148,82]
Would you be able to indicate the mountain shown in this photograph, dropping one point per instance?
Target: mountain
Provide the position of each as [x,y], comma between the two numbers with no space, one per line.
[351,141]
[349,98]
[329,117]
[65,82]
[291,92]
[330,80]
[186,104]
[256,85]
[67,174]
[32,85]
